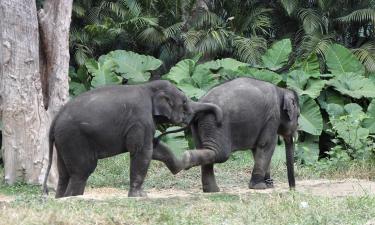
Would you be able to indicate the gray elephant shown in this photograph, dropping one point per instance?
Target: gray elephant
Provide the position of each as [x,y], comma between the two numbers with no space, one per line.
[115,119]
[254,113]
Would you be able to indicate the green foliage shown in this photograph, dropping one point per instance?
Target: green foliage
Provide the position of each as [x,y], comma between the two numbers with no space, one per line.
[347,123]
[341,60]
[310,119]
[132,66]
[354,85]
[260,74]
[277,55]
[369,122]
[102,71]
[305,84]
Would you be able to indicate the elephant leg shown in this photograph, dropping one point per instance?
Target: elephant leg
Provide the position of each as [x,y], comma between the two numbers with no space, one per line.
[76,185]
[162,153]
[262,157]
[208,179]
[267,178]
[63,178]
[140,145]
[199,157]
[139,163]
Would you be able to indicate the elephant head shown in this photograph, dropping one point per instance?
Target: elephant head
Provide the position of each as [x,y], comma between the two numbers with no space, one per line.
[290,112]
[170,104]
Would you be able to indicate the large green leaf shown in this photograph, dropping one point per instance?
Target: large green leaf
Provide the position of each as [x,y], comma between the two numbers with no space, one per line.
[134,67]
[304,84]
[76,88]
[346,122]
[190,89]
[310,120]
[310,65]
[226,63]
[260,74]
[277,55]
[353,85]
[102,72]
[369,123]
[341,60]
[183,69]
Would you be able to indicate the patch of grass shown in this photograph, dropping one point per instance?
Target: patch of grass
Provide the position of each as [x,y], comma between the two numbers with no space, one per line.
[219,208]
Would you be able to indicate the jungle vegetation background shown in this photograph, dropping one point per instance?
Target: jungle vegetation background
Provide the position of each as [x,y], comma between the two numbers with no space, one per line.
[323,49]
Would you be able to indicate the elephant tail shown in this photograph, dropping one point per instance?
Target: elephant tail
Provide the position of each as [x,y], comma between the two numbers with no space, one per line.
[201,107]
[289,148]
[51,140]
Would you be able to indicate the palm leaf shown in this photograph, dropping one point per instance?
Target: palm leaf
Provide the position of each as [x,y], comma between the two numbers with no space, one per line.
[359,16]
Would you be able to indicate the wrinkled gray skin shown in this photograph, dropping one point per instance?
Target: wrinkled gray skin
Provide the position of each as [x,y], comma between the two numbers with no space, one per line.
[115,119]
[254,113]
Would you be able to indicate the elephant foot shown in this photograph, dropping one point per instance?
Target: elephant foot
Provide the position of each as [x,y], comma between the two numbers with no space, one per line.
[137,193]
[257,182]
[258,186]
[186,160]
[269,182]
[211,189]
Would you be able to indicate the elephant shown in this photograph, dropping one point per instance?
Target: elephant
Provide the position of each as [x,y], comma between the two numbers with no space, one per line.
[255,112]
[112,120]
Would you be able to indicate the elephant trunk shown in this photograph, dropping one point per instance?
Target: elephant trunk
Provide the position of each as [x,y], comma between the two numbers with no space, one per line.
[197,107]
[289,150]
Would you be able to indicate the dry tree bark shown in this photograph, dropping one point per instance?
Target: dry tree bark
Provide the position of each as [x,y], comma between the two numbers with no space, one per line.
[33,83]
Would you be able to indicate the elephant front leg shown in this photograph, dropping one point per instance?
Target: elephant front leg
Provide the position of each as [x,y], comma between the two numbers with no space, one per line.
[262,158]
[139,164]
[162,153]
[208,179]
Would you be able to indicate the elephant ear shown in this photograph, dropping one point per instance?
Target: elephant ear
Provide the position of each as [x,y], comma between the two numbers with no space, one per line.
[290,106]
[161,105]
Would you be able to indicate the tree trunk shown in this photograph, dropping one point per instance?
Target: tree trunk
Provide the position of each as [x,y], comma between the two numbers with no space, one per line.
[28,70]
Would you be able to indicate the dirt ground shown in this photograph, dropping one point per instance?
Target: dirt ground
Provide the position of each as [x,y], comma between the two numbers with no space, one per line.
[329,188]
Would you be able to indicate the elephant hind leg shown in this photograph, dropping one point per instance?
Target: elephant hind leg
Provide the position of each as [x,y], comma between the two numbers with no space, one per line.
[76,185]
[63,178]
[208,179]
[262,157]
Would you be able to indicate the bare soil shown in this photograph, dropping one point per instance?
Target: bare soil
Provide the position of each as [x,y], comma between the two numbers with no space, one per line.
[329,188]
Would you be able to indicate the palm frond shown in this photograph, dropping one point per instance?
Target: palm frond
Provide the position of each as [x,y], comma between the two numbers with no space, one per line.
[173,30]
[152,36]
[133,6]
[315,43]
[249,50]
[359,16]
[312,20]
[366,54]
[78,10]
[207,19]
[258,19]
[290,5]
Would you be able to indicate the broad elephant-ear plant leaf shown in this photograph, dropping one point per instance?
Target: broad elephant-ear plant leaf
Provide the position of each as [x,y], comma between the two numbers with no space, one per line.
[134,67]
[369,123]
[353,85]
[182,70]
[310,119]
[304,84]
[346,121]
[102,72]
[310,65]
[260,74]
[341,60]
[276,56]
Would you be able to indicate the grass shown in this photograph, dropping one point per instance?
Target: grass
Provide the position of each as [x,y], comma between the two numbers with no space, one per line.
[200,208]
